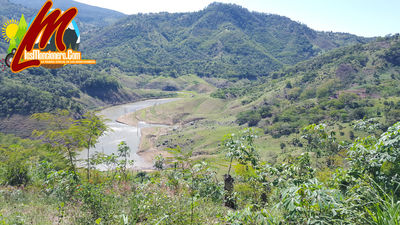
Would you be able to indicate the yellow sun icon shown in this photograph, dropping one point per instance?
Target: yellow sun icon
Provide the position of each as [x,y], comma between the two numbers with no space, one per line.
[9,30]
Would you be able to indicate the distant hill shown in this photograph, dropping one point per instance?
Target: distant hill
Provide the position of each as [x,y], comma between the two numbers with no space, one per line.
[346,84]
[223,40]
[87,13]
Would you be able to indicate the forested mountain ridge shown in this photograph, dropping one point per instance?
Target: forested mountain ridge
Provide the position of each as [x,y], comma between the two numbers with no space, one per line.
[223,40]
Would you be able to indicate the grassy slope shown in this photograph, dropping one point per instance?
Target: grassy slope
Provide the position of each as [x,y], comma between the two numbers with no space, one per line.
[203,121]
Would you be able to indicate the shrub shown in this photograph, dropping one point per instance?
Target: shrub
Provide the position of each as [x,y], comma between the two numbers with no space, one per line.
[250,117]
[16,173]
[15,166]
[248,216]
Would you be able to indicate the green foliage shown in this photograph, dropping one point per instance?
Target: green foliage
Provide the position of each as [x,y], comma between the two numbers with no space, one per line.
[15,165]
[63,134]
[159,162]
[320,140]
[250,117]
[124,154]
[249,216]
[16,98]
[392,54]
[61,184]
[188,192]
[371,126]
[19,160]
[92,127]
[311,203]
[387,211]
[223,40]
[97,203]
[100,86]
[295,171]
[241,148]
[330,87]
[378,157]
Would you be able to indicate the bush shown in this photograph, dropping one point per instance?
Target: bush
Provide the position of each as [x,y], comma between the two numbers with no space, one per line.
[14,164]
[249,216]
[250,117]
[265,111]
[378,158]
[98,204]
[16,173]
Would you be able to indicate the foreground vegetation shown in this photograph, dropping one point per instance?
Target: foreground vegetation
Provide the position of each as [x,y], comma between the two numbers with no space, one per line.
[321,180]
[284,171]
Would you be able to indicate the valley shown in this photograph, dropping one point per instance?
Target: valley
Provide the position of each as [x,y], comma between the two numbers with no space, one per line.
[218,116]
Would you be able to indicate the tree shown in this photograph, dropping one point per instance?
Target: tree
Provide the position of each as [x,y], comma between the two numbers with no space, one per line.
[124,153]
[378,158]
[63,133]
[93,127]
[321,141]
[283,146]
[241,147]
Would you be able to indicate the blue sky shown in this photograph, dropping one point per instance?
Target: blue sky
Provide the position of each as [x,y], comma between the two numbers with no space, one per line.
[362,17]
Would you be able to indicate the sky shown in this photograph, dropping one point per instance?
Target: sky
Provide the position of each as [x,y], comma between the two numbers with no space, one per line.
[367,18]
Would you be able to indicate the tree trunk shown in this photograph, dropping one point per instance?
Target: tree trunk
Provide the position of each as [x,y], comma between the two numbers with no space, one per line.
[88,165]
[72,164]
[229,200]
[88,158]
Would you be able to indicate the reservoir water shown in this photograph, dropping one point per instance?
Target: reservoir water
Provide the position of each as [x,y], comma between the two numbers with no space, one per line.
[108,143]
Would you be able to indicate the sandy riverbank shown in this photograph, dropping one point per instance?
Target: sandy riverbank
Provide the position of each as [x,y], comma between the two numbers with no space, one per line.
[148,138]
[147,147]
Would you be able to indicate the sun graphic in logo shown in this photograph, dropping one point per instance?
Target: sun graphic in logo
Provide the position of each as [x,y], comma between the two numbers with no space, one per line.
[9,30]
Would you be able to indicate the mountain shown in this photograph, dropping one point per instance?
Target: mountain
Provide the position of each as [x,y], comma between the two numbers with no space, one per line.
[93,15]
[75,88]
[223,40]
[343,85]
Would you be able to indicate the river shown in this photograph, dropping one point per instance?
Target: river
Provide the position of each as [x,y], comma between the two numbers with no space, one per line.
[108,143]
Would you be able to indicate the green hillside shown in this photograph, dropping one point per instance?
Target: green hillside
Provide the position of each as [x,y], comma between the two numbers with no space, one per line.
[272,123]
[351,83]
[223,40]
[75,88]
